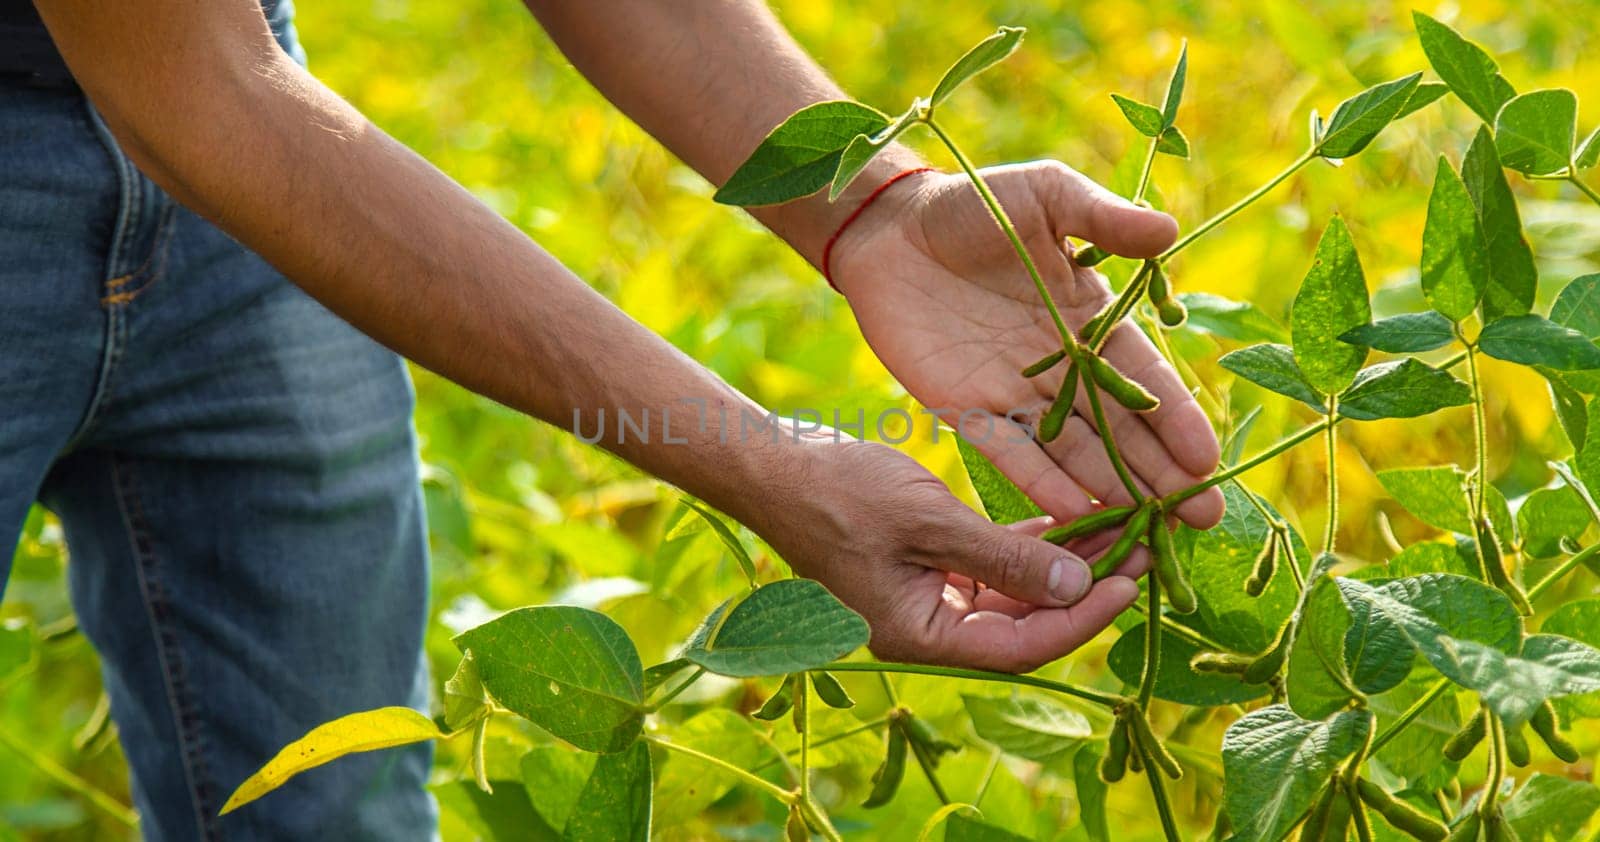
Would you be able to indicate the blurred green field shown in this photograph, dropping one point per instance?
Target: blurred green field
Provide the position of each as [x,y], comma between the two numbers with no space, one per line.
[522,513]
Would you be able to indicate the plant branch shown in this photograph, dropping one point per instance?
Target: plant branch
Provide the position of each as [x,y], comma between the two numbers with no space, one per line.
[1112,452]
[1331,533]
[928,771]
[1152,642]
[662,702]
[979,675]
[842,735]
[1555,575]
[1068,340]
[1144,174]
[1305,434]
[1240,205]
[1158,791]
[1587,190]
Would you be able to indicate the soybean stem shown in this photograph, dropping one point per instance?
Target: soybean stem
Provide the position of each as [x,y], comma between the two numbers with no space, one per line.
[842,735]
[978,675]
[803,701]
[988,775]
[1587,190]
[1497,766]
[1152,640]
[1112,452]
[1331,533]
[1144,174]
[1555,575]
[921,754]
[1257,460]
[662,702]
[1410,714]
[1068,340]
[1158,791]
[1240,205]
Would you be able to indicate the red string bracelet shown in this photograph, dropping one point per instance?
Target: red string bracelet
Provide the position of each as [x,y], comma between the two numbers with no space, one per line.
[827,250]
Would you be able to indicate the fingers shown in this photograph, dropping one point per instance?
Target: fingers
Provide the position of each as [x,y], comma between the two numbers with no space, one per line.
[1076,206]
[1039,477]
[1014,563]
[996,640]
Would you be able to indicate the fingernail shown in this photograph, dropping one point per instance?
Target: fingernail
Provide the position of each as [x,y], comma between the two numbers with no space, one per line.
[1069,579]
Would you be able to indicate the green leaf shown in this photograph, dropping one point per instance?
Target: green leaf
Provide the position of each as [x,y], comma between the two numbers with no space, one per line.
[1549,515]
[1513,277]
[962,828]
[1435,557]
[1570,408]
[1144,118]
[614,805]
[1274,763]
[1437,496]
[801,155]
[1272,367]
[657,675]
[1423,96]
[788,626]
[1001,498]
[726,535]
[571,671]
[1028,727]
[1579,620]
[1175,682]
[1589,152]
[989,52]
[1465,67]
[1551,807]
[1230,319]
[1578,306]
[866,146]
[1172,142]
[1174,97]
[505,813]
[16,646]
[1331,301]
[1535,340]
[464,698]
[1407,334]
[1318,682]
[554,776]
[1091,792]
[365,731]
[1359,119]
[1470,633]
[685,786]
[1455,255]
[1537,131]
[1402,389]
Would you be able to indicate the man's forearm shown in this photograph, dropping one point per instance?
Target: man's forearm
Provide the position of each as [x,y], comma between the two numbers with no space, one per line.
[709,80]
[398,249]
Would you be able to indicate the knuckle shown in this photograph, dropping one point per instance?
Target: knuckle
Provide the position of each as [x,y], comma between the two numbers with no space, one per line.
[1012,566]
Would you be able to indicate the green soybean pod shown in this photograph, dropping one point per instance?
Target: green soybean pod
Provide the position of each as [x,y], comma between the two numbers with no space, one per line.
[1089,524]
[1517,747]
[1157,752]
[830,691]
[1266,666]
[886,781]
[1091,256]
[1402,816]
[1358,814]
[1124,391]
[1494,567]
[1118,552]
[1175,584]
[1465,740]
[1115,762]
[1158,289]
[1497,829]
[795,829]
[1172,312]
[1547,725]
[920,733]
[779,703]
[1044,364]
[1056,417]
[1338,814]
[1317,818]
[1221,663]
[1266,564]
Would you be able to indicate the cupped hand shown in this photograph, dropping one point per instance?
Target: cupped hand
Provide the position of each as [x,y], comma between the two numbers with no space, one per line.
[946,304]
[890,540]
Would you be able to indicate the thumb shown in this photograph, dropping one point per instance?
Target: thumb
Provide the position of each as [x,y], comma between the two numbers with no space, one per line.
[1015,562]
[1078,207]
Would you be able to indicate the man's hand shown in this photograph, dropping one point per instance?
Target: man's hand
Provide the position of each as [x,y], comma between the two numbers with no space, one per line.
[945,302]
[889,540]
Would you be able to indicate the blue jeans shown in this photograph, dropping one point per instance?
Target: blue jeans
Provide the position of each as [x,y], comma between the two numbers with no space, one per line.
[237,475]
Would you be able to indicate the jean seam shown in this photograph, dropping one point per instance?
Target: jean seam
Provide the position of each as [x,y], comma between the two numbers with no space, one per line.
[165,639]
[121,290]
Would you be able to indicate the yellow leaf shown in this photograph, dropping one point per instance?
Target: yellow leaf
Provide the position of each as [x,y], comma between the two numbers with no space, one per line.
[366,731]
